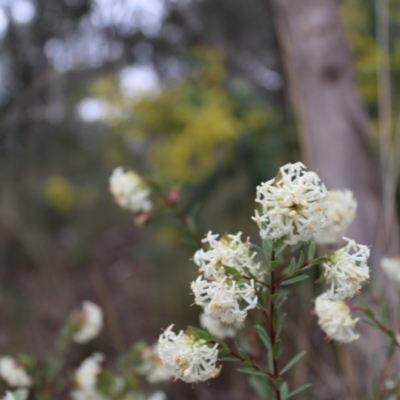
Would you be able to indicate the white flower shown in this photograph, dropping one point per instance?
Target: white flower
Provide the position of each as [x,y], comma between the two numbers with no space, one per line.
[85,378]
[20,394]
[391,266]
[342,207]
[293,205]
[91,318]
[346,269]
[220,299]
[335,319]
[159,395]
[14,373]
[217,328]
[228,251]
[152,367]
[129,190]
[187,357]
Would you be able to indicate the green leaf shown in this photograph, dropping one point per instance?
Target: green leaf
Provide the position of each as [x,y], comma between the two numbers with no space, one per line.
[280,249]
[251,371]
[192,330]
[274,297]
[273,265]
[370,314]
[276,243]
[301,259]
[260,386]
[263,335]
[278,383]
[232,271]
[277,348]
[284,391]
[293,361]
[233,359]
[292,265]
[267,247]
[311,251]
[299,389]
[280,325]
[316,261]
[294,280]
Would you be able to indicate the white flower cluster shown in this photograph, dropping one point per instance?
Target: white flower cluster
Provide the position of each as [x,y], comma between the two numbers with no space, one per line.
[214,290]
[391,266]
[152,367]
[342,207]
[91,319]
[20,394]
[187,357]
[13,373]
[217,328]
[85,378]
[346,269]
[335,319]
[292,206]
[130,191]
[228,251]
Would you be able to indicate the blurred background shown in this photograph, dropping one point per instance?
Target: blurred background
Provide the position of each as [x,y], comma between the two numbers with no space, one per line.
[210,96]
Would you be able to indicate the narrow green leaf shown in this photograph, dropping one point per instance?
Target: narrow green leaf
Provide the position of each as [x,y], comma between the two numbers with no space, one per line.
[301,259]
[260,386]
[293,361]
[280,325]
[292,265]
[311,251]
[284,391]
[317,261]
[231,271]
[295,280]
[278,383]
[280,249]
[251,371]
[274,297]
[263,335]
[267,247]
[199,333]
[276,243]
[277,348]
[233,359]
[273,265]
[370,314]
[299,389]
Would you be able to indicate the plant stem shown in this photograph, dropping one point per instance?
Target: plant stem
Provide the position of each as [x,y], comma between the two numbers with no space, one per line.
[276,374]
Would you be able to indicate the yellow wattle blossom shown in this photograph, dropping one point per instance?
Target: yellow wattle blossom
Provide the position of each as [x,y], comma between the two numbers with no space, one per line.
[59,192]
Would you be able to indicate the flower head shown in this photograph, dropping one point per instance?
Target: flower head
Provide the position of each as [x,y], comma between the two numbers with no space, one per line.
[152,367]
[187,357]
[335,319]
[20,394]
[391,266]
[217,328]
[228,251]
[220,299]
[346,269]
[130,191]
[13,373]
[342,207]
[91,322]
[85,378]
[292,205]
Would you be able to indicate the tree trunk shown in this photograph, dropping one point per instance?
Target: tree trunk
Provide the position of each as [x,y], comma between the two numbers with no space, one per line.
[334,135]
